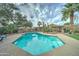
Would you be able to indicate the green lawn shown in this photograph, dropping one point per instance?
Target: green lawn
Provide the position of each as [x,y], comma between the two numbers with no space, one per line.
[75,36]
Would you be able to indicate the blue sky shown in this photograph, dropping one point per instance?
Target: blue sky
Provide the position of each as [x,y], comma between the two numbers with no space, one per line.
[47,12]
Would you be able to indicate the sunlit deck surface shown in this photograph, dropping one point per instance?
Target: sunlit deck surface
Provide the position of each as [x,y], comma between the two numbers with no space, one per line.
[71,47]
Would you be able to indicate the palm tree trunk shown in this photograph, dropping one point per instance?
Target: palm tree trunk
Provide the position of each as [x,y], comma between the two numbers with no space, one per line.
[39,27]
[72,22]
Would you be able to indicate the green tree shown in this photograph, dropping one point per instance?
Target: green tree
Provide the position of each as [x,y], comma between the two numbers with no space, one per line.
[22,20]
[44,26]
[29,24]
[68,12]
[6,12]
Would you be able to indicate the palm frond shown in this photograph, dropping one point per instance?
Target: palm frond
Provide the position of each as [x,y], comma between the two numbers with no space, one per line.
[65,14]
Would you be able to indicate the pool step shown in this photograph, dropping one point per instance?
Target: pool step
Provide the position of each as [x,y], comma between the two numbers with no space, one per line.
[57,44]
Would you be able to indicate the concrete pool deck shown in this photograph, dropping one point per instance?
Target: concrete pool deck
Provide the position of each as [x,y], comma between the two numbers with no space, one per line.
[71,47]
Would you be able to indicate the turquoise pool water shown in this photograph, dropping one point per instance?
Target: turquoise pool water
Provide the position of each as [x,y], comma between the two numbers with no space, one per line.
[36,43]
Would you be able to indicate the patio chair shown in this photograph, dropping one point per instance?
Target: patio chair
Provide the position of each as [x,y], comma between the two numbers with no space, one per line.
[2,37]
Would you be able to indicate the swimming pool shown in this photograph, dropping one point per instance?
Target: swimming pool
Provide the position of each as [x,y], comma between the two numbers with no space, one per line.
[36,43]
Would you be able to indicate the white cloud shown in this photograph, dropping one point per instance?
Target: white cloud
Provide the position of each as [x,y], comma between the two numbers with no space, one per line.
[50,15]
[50,12]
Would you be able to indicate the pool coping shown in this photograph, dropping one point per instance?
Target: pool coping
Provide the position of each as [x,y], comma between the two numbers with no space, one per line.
[70,48]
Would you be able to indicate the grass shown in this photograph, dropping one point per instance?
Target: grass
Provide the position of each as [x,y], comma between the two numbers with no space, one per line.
[75,36]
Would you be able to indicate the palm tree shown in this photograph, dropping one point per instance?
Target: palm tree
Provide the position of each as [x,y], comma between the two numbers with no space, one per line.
[68,12]
[39,24]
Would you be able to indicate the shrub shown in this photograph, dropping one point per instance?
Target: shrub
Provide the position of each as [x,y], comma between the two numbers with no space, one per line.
[67,30]
[8,29]
[11,29]
[2,30]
